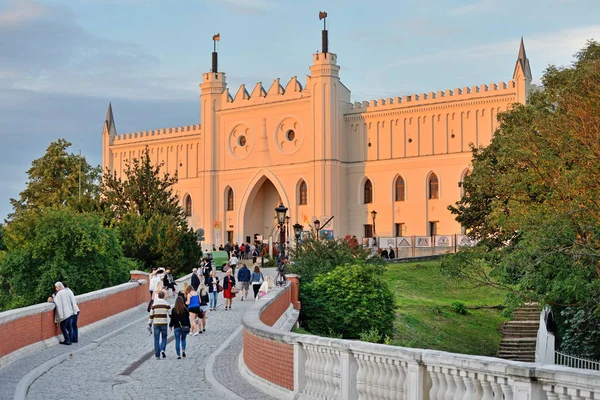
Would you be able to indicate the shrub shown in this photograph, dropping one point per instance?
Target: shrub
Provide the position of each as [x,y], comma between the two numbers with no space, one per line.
[348,300]
[458,308]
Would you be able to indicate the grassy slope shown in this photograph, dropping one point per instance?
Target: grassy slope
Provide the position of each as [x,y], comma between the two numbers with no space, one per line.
[425,318]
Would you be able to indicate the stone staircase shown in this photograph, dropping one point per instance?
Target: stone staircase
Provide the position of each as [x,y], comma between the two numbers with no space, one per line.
[519,335]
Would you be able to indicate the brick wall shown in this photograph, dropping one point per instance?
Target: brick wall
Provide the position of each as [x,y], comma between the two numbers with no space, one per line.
[271,360]
[277,308]
[37,322]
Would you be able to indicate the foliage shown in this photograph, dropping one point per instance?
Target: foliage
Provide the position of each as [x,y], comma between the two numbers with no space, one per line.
[579,333]
[2,245]
[532,197]
[373,336]
[348,299]
[313,257]
[459,307]
[270,262]
[58,244]
[54,180]
[151,224]
[424,315]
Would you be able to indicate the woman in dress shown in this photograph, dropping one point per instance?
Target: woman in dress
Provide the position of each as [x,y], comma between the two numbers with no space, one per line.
[256,279]
[193,304]
[204,300]
[213,285]
[180,321]
[228,285]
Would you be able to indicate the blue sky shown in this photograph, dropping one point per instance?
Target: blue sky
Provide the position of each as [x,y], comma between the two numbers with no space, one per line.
[62,61]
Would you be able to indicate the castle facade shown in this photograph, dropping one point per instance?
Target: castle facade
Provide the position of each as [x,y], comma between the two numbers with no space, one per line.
[306,145]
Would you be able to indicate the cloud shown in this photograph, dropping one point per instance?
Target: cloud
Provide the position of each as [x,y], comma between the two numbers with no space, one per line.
[478,7]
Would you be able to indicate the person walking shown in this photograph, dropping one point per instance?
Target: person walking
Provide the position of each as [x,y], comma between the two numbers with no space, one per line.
[195,279]
[193,304]
[228,285]
[180,322]
[154,279]
[213,289]
[159,321]
[244,276]
[63,311]
[257,278]
[233,260]
[204,300]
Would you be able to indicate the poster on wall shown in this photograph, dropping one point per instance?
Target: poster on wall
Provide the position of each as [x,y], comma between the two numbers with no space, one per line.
[465,241]
[326,234]
[217,232]
[305,235]
[423,241]
[387,242]
[443,241]
[403,242]
[368,242]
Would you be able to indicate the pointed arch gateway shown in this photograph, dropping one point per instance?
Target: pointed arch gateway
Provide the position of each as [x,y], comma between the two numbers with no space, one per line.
[257,208]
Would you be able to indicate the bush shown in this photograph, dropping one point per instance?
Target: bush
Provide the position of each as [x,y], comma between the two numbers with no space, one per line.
[348,300]
[458,307]
[58,245]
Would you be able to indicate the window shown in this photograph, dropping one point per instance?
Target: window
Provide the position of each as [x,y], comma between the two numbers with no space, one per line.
[400,229]
[433,227]
[230,199]
[463,192]
[187,204]
[434,188]
[368,195]
[290,135]
[303,195]
[229,236]
[399,195]
[369,230]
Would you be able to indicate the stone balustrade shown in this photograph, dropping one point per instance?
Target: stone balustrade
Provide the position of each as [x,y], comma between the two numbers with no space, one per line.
[325,368]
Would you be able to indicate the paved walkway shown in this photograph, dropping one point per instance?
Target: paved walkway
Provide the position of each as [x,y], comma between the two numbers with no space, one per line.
[124,366]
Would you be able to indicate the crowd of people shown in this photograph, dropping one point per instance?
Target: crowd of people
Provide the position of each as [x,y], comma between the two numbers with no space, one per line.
[192,304]
[194,301]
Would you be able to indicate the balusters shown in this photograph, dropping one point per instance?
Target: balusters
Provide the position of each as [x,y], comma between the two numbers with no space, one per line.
[450,385]
[460,387]
[327,367]
[433,391]
[336,374]
[401,392]
[506,389]
[497,390]
[550,393]
[361,376]
[381,378]
[486,388]
[469,385]
[441,394]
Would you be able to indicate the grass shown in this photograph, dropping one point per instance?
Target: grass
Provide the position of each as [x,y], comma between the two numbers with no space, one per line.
[425,314]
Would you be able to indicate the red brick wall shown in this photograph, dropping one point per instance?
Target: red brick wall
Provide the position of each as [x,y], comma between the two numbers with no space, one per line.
[271,360]
[24,331]
[277,308]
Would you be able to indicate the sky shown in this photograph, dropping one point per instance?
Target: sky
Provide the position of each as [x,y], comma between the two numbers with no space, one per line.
[63,61]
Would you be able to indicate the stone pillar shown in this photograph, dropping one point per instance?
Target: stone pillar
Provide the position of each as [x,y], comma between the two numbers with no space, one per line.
[295,283]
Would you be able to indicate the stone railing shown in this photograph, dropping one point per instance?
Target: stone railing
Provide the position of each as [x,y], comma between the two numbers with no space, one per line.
[25,330]
[291,365]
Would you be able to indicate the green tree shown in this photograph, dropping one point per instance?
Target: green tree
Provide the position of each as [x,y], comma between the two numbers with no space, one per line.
[59,178]
[151,223]
[532,199]
[348,301]
[58,244]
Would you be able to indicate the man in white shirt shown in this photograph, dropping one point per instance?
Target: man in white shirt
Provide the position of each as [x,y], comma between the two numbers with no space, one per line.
[63,311]
[233,263]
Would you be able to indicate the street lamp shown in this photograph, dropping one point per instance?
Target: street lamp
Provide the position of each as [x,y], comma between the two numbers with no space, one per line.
[373,215]
[280,211]
[297,232]
[317,224]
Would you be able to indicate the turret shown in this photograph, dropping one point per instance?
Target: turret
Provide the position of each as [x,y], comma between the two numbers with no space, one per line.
[109,131]
[522,74]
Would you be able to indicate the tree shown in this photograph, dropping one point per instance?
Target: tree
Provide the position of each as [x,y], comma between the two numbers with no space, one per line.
[58,244]
[532,199]
[59,179]
[151,223]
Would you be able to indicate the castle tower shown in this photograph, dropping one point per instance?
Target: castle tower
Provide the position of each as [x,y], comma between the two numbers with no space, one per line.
[522,74]
[211,89]
[328,97]
[109,131]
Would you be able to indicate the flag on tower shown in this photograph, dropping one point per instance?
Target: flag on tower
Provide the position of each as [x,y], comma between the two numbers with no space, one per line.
[217,37]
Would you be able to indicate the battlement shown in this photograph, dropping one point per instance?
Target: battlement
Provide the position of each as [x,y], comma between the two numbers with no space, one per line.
[177,131]
[293,90]
[466,93]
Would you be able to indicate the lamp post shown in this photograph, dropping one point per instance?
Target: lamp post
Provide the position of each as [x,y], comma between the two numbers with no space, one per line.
[373,215]
[297,232]
[280,211]
[287,231]
[317,224]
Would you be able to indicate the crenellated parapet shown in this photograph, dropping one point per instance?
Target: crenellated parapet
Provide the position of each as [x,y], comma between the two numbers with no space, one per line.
[178,131]
[260,96]
[434,98]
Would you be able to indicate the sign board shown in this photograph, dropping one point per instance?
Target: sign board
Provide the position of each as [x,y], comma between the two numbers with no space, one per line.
[465,241]
[326,234]
[443,241]
[387,242]
[422,241]
[368,242]
[403,241]
[304,235]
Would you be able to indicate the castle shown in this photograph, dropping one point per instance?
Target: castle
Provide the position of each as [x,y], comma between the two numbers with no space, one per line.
[308,147]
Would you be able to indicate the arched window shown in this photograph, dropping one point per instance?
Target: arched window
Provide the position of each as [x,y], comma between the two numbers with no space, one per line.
[368,192]
[303,195]
[230,199]
[187,204]
[462,180]
[399,189]
[434,187]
